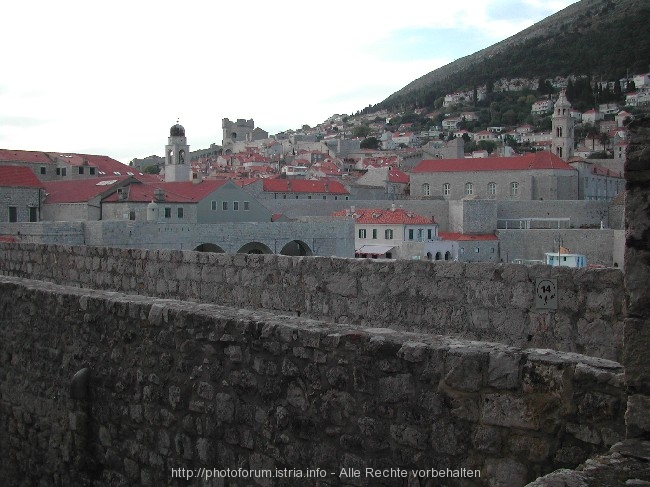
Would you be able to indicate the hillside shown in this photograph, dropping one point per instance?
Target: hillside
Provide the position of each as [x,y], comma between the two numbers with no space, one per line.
[603,38]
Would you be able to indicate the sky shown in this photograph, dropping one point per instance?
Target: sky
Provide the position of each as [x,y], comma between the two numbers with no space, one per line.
[111,78]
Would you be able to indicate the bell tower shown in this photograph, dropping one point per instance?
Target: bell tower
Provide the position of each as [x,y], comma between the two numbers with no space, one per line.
[177,155]
[562,128]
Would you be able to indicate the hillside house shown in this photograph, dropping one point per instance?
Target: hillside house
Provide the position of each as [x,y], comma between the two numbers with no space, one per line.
[542,107]
[307,189]
[206,201]
[21,195]
[392,233]
[50,166]
[540,175]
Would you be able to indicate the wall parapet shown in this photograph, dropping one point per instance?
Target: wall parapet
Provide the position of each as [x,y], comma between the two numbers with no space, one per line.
[479,301]
[179,384]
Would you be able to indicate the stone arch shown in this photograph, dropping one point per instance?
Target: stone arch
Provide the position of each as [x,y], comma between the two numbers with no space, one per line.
[209,247]
[254,248]
[429,256]
[447,255]
[296,248]
[438,256]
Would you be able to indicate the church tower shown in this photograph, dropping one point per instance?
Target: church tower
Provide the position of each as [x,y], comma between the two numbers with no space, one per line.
[562,127]
[177,155]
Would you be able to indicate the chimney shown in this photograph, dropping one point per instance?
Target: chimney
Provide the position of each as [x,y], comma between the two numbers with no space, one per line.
[392,207]
[159,195]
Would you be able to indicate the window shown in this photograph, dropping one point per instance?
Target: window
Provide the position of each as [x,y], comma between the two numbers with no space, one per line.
[63,171]
[388,234]
[92,170]
[13,214]
[168,212]
[411,233]
[362,233]
[477,250]
[235,205]
[132,215]
[429,233]
[81,169]
[179,212]
[514,189]
[374,233]
[469,188]
[224,205]
[324,197]
[446,189]
[426,189]
[43,170]
[308,197]
[247,205]
[492,189]
[213,205]
[33,214]
[420,234]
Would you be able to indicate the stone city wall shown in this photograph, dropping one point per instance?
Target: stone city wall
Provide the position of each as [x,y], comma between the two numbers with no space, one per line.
[478,301]
[101,388]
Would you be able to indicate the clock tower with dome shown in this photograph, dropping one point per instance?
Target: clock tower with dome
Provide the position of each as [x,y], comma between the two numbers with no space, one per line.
[177,155]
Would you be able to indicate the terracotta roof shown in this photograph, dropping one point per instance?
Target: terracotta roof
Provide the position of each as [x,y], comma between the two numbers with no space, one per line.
[8,155]
[79,190]
[303,186]
[397,176]
[18,177]
[465,237]
[378,216]
[175,192]
[533,161]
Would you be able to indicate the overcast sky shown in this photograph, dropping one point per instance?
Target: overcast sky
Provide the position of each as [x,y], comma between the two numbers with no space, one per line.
[111,77]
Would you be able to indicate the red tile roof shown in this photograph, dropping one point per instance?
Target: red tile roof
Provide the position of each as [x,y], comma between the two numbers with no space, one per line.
[391,216]
[8,155]
[79,190]
[466,237]
[102,163]
[533,161]
[19,177]
[303,186]
[175,192]
[397,176]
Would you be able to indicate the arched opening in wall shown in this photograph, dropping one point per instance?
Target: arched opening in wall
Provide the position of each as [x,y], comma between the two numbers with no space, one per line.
[296,248]
[254,248]
[209,247]
[447,255]
[438,256]
[429,256]
[233,136]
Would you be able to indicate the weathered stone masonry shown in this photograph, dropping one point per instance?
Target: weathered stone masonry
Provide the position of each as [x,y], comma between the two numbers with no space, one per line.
[490,302]
[180,384]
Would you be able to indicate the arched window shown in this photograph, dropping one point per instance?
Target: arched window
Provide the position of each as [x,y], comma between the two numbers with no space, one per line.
[514,189]
[426,189]
[469,188]
[438,256]
[492,189]
[447,255]
[446,189]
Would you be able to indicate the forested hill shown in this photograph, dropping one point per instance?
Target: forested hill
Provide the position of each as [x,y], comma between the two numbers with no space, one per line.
[602,38]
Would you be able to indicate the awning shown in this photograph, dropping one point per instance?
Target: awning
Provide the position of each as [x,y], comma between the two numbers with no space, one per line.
[374,249]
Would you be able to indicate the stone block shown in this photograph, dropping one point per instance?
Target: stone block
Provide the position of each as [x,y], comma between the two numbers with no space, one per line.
[395,388]
[637,418]
[504,370]
[510,410]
